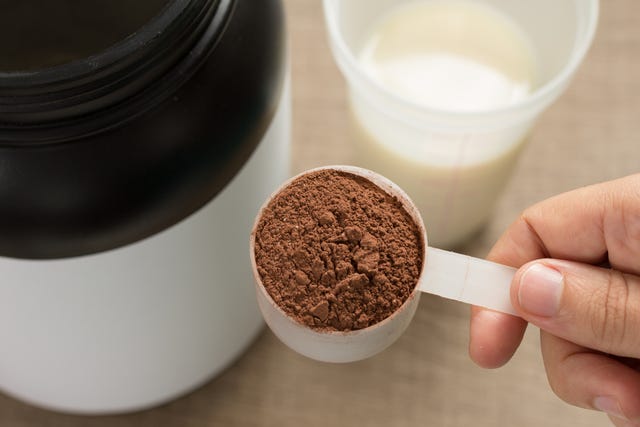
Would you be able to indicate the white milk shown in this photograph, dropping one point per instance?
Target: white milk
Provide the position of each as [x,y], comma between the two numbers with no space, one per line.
[454,56]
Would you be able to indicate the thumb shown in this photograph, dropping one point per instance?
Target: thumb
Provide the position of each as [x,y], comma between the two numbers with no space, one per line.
[594,307]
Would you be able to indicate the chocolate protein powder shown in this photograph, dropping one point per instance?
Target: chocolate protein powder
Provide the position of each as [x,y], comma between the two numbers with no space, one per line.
[336,252]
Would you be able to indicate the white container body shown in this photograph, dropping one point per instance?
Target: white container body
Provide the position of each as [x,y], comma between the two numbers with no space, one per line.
[140,325]
[454,165]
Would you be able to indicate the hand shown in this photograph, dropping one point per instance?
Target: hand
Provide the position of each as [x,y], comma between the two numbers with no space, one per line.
[589,315]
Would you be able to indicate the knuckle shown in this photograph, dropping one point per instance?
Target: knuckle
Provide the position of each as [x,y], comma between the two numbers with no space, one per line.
[556,385]
[555,367]
[559,383]
[609,311]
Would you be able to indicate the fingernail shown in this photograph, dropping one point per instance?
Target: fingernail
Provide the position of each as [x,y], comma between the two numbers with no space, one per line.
[540,290]
[609,405]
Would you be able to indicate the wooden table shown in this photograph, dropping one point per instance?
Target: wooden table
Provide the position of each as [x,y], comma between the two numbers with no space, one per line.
[426,378]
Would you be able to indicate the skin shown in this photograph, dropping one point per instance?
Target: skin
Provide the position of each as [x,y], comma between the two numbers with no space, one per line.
[590,340]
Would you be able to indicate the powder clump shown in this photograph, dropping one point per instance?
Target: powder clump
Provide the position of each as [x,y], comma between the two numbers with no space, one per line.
[336,252]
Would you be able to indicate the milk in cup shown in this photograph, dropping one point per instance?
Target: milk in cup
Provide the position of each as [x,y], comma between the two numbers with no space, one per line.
[451,56]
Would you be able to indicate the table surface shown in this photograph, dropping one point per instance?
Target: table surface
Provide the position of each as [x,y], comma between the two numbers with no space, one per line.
[426,378]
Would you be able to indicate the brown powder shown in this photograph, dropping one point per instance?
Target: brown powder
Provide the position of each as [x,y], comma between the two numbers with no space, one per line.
[336,252]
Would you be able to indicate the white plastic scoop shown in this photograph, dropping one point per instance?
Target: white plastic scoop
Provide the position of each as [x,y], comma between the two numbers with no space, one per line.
[447,274]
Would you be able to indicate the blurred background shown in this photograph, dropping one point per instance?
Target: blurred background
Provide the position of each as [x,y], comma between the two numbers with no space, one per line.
[426,378]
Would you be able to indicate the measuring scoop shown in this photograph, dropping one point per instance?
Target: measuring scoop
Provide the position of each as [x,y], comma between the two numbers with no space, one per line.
[446,274]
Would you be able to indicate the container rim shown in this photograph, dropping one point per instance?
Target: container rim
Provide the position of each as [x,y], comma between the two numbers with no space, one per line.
[537,100]
[69,93]
[114,53]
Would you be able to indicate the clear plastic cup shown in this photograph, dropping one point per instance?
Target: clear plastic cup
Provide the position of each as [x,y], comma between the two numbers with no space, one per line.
[454,165]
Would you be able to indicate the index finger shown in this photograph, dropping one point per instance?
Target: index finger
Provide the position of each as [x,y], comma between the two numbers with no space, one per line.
[590,225]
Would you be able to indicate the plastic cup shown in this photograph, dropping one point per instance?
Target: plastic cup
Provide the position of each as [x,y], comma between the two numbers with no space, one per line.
[455,164]
[443,273]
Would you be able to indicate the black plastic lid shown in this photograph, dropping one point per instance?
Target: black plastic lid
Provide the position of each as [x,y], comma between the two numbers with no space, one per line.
[107,150]
[84,85]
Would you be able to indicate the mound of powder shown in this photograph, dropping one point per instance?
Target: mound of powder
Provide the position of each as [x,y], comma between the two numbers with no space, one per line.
[336,252]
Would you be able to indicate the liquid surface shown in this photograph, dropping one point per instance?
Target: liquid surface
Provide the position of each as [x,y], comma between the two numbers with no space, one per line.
[453,55]
[37,34]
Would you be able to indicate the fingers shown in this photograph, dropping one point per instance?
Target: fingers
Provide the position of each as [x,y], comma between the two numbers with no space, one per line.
[592,380]
[590,306]
[494,337]
[619,422]
[487,348]
[591,225]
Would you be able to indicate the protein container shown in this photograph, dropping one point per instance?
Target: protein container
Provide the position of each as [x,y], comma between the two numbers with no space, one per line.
[137,142]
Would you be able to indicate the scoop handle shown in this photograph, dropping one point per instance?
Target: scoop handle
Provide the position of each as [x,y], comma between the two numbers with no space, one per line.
[468,279]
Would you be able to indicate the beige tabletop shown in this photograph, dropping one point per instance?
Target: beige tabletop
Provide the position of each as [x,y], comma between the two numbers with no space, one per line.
[426,379]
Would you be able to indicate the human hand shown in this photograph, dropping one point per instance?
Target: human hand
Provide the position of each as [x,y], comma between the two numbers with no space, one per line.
[589,316]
